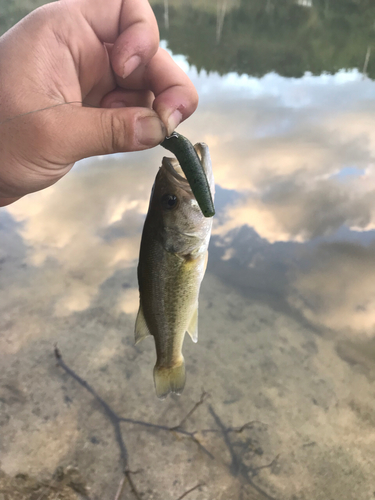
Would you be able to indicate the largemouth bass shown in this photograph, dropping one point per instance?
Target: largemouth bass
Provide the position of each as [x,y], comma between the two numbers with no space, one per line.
[172,263]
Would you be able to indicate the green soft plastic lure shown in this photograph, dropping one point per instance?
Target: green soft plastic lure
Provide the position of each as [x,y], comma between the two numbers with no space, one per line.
[191,165]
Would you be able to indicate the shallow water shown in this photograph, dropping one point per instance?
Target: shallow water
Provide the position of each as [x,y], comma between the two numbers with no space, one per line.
[286,318]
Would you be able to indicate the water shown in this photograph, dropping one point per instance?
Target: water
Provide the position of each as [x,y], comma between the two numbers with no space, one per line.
[286,321]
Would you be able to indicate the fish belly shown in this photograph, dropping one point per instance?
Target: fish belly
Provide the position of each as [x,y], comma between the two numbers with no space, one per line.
[169,288]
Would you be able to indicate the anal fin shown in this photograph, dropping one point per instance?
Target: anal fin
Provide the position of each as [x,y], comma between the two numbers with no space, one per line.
[141,330]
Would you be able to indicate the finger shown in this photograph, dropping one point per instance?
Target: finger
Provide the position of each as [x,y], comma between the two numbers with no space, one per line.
[8,201]
[175,95]
[121,98]
[130,25]
[91,132]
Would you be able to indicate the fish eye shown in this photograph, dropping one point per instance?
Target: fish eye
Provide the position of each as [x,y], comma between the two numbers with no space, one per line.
[169,201]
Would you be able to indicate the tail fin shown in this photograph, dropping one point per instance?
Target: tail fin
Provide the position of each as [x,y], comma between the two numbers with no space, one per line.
[169,380]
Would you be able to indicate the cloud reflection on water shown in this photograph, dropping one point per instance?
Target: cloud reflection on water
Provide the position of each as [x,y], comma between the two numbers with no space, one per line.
[285,146]
[86,227]
[336,288]
[278,144]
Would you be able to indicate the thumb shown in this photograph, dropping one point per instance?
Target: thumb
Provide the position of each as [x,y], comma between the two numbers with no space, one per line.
[91,131]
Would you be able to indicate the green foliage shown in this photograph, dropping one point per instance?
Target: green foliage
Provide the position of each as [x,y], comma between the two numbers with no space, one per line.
[11,11]
[275,35]
[258,36]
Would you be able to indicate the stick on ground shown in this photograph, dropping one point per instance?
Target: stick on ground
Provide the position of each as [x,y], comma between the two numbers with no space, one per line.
[237,466]
[116,420]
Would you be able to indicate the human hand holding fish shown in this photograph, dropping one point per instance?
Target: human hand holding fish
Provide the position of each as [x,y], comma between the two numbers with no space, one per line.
[82,78]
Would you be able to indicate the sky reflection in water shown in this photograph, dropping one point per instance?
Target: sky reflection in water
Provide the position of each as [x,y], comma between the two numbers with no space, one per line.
[294,159]
[286,325]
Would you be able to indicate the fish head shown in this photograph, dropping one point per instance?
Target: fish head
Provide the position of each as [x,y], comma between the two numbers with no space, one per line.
[183,228]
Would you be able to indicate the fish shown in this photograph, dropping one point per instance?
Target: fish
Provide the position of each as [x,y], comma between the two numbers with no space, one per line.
[172,262]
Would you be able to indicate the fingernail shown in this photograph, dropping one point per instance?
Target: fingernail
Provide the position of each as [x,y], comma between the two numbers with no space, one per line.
[130,65]
[150,131]
[174,120]
[117,104]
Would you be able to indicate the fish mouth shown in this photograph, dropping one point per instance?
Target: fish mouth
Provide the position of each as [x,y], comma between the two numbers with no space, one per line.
[172,166]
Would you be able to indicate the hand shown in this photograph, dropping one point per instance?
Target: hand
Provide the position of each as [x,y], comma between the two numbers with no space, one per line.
[103,54]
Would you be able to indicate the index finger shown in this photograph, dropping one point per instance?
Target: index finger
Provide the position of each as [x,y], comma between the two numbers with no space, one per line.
[175,95]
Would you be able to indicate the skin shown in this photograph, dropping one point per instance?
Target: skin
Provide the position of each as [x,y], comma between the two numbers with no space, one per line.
[172,264]
[105,54]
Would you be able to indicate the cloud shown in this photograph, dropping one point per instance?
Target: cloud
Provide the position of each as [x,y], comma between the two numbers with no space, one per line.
[278,143]
[86,227]
[336,288]
[129,301]
[281,144]
[296,211]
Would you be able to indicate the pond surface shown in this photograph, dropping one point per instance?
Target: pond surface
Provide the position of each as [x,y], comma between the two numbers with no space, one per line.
[287,307]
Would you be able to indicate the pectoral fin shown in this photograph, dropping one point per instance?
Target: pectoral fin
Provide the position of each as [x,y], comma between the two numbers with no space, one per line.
[141,329]
[193,326]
